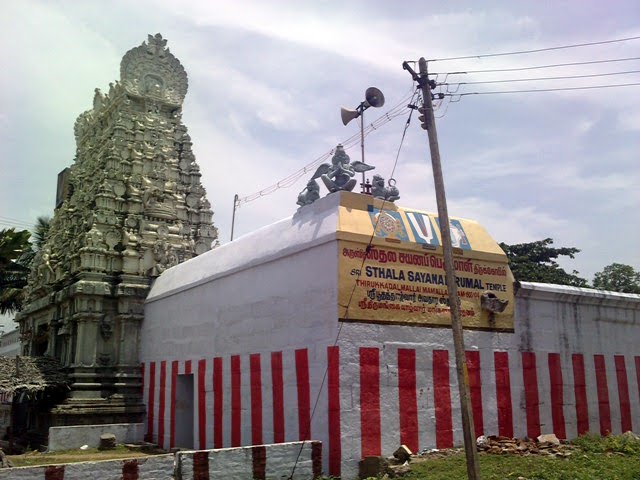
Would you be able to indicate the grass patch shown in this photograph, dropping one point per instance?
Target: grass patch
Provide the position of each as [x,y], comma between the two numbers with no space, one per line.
[579,466]
[594,458]
[592,443]
[36,458]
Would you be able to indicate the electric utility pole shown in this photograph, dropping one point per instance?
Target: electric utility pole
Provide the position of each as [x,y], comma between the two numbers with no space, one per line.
[473,470]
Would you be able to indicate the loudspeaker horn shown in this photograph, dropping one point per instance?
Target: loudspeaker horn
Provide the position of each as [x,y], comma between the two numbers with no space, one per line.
[374,97]
[348,115]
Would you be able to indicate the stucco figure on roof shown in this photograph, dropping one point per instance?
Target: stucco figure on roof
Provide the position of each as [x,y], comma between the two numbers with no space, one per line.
[337,176]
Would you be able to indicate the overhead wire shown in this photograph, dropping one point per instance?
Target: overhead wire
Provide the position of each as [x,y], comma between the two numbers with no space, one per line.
[15,223]
[446,107]
[355,282]
[536,50]
[538,67]
[464,94]
[564,77]
[351,141]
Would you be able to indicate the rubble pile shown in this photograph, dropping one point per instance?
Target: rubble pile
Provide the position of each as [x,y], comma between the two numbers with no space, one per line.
[403,458]
[543,445]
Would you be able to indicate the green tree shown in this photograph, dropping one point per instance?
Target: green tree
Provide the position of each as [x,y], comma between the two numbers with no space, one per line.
[536,262]
[618,277]
[13,269]
[39,236]
[16,257]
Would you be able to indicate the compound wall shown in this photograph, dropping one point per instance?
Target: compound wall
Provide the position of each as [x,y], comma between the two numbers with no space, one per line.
[296,460]
[255,336]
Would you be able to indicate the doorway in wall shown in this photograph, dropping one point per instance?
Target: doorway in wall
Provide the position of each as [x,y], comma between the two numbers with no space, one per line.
[184,411]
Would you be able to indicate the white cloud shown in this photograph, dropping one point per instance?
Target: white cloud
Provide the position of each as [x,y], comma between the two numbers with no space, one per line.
[267,80]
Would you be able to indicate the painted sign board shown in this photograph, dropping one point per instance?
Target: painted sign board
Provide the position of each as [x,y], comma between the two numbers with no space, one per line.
[391,268]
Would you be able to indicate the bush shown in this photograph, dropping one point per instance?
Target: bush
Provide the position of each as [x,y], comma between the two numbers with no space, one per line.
[626,443]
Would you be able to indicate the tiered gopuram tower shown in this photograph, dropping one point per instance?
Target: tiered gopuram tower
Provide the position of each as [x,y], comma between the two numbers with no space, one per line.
[131,206]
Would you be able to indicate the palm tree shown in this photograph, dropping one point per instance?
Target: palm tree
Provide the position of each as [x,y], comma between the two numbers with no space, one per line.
[13,272]
[38,237]
[40,231]
[16,257]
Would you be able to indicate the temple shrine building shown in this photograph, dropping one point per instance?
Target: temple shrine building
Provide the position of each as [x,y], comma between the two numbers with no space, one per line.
[300,331]
[332,324]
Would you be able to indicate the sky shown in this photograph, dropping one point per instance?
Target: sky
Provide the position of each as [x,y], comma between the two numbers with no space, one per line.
[267,80]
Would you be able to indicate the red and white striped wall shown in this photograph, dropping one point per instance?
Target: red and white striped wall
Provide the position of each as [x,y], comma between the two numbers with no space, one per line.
[158,467]
[375,398]
[255,322]
[295,460]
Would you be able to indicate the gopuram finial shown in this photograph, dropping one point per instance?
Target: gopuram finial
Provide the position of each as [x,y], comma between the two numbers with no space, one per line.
[156,44]
[151,70]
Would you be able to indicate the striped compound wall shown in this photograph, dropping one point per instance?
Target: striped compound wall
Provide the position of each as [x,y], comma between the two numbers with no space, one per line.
[242,346]
[526,394]
[295,460]
[160,467]
[572,366]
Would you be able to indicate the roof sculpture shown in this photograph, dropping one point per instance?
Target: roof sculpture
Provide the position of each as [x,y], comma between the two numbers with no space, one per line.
[338,177]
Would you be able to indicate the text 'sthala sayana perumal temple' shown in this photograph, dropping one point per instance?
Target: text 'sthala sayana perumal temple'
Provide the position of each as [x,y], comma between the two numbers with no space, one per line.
[330,325]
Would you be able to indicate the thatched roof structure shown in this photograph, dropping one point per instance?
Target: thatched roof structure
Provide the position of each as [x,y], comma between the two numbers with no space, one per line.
[30,374]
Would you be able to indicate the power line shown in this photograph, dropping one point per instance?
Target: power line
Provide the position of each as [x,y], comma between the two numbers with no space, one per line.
[537,50]
[446,108]
[541,90]
[566,77]
[20,226]
[537,67]
[16,223]
[13,219]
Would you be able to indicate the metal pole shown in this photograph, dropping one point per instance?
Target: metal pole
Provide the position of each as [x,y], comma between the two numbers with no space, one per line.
[233,218]
[473,470]
[362,109]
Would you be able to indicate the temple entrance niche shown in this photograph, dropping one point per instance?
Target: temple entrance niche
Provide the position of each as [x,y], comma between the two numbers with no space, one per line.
[185,412]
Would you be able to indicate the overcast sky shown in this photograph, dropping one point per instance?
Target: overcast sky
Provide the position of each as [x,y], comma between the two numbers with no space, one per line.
[267,79]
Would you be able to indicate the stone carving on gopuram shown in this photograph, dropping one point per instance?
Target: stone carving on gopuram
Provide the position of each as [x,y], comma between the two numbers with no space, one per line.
[131,206]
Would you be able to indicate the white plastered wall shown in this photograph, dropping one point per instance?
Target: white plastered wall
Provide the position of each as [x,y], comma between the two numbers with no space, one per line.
[276,291]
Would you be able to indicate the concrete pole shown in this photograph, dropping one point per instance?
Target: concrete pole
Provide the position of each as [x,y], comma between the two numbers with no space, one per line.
[233,217]
[473,470]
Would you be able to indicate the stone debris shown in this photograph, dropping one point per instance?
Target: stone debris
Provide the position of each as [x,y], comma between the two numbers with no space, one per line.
[394,471]
[107,441]
[145,447]
[373,467]
[549,437]
[4,461]
[402,454]
[543,445]
[392,467]
[400,464]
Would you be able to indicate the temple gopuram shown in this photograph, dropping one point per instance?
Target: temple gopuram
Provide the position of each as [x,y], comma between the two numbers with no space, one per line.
[131,206]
